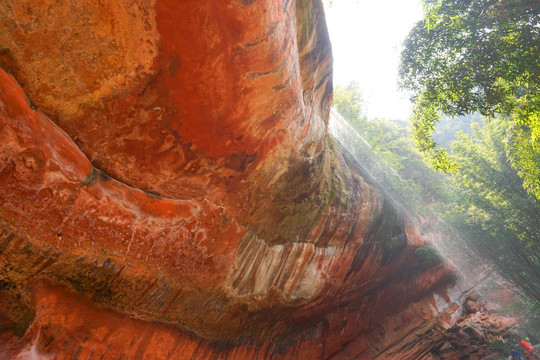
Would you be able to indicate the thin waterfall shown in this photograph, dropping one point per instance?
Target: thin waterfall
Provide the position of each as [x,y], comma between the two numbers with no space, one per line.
[376,171]
[447,241]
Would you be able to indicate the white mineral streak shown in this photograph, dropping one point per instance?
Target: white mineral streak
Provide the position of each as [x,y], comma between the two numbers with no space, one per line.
[31,351]
[295,269]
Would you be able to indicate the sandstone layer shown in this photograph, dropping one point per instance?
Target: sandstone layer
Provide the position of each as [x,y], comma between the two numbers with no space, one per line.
[168,189]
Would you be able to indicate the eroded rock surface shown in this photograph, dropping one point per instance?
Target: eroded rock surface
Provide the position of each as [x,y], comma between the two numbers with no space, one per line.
[457,333]
[168,189]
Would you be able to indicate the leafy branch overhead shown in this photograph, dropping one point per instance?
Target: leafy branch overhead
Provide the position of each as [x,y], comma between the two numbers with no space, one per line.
[477,56]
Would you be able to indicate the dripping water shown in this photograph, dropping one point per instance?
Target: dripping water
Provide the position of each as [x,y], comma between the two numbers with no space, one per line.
[448,242]
[376,171]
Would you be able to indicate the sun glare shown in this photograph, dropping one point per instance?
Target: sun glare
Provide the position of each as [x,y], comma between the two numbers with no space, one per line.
[366,40]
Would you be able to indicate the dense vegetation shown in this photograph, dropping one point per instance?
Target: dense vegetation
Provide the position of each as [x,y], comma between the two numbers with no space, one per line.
[499,219]
[482,56]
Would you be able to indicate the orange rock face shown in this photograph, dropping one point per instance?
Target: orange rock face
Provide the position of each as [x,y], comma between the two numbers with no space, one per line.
[168,189]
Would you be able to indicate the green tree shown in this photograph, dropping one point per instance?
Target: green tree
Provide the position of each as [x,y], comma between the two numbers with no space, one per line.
[393,143]
[481,56]
[348,101]
[447,127]
[498,218]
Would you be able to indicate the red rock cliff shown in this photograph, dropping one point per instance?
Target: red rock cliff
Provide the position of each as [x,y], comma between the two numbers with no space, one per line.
[168,189]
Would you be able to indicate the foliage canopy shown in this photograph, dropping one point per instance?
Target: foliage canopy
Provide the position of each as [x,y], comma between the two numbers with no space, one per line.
[481,56]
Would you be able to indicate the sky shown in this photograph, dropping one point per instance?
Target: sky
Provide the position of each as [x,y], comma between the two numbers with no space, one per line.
[366,38]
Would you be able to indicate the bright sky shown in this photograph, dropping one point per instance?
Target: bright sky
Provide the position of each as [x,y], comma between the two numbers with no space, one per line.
[366,39]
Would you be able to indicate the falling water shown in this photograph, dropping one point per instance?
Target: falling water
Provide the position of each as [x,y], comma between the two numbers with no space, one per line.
[450,245]
[376,171]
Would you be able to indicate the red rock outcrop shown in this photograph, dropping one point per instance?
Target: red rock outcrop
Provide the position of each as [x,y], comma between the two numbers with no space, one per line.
[444,338]
[168,189]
